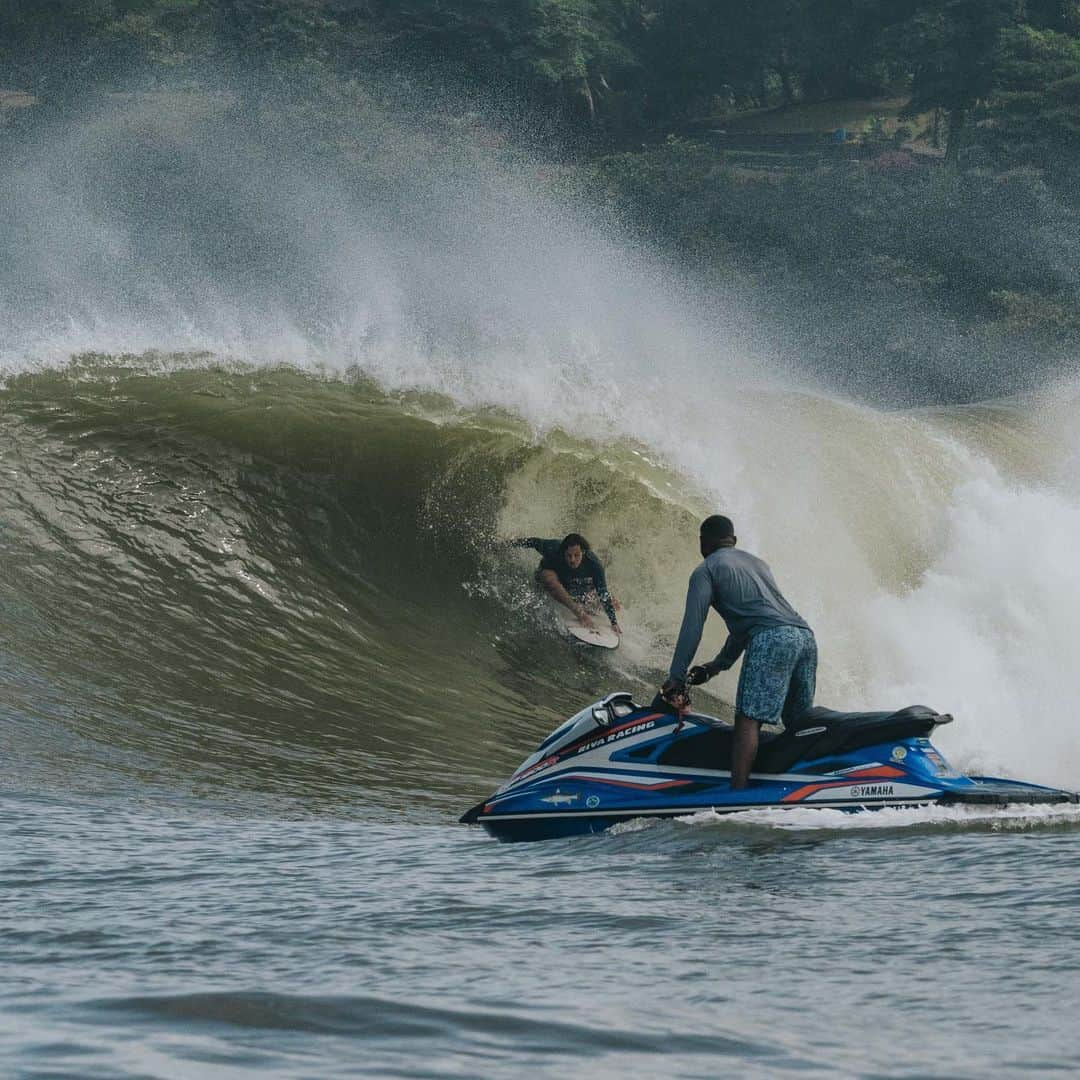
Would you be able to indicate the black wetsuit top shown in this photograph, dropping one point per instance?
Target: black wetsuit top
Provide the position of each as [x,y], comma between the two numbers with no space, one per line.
[580,583]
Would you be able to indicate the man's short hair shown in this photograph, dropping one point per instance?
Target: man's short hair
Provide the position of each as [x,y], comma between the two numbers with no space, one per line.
[573,540]
[717,528]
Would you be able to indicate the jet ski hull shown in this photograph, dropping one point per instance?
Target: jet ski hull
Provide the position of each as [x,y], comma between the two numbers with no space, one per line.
[616,761]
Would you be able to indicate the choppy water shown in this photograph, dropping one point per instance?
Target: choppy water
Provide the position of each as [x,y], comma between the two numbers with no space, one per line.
[149,941]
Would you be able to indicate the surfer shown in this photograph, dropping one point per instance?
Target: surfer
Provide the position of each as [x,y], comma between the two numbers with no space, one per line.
[779,671]
[573,576]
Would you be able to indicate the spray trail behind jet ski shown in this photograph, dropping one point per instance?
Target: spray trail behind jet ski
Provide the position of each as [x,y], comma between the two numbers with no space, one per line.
[923,818]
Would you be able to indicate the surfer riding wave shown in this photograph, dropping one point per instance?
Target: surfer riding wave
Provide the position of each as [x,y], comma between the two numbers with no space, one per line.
[573,576]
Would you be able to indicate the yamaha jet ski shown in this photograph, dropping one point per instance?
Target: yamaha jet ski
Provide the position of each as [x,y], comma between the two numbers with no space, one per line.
[616,760]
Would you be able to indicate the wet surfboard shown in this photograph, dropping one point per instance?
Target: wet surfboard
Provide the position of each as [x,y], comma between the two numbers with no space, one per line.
[599,634]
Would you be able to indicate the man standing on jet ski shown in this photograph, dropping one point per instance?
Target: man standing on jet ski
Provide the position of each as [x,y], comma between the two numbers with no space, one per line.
[779,670]
[572,574]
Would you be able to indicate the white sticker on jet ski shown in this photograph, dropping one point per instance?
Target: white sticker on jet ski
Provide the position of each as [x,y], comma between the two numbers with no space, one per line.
[558,799]
[870,792]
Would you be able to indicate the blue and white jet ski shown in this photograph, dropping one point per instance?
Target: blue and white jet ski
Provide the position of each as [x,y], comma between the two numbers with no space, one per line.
[616,760]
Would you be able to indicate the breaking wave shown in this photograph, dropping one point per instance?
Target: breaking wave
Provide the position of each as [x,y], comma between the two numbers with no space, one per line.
[263,430]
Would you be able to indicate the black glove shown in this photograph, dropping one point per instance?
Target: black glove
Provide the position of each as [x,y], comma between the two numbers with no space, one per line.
[675,694]
[700,673]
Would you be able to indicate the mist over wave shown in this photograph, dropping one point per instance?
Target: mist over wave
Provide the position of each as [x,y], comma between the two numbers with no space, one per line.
[176,228]
[293,548]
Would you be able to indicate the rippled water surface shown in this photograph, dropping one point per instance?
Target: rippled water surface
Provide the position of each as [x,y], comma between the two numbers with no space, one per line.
[145,943]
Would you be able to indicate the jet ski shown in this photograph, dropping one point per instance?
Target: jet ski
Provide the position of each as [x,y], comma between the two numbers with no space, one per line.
[616,760]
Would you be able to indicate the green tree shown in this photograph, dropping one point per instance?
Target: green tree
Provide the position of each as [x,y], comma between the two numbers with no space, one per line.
[953,47]
[565,56]
[62,49]
[1033,115]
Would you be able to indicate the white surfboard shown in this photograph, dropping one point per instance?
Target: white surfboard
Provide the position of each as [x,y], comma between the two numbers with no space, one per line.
[599,634]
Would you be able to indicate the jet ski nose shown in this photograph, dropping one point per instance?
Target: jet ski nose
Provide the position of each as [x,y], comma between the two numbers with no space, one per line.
[471,815]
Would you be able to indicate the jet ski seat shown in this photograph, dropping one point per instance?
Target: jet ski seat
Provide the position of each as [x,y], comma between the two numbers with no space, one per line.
[915,716]
[820,733]
[826,732]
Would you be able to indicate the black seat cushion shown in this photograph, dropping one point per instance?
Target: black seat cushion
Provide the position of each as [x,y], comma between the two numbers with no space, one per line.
[820,717]
[709,749]
[841,732]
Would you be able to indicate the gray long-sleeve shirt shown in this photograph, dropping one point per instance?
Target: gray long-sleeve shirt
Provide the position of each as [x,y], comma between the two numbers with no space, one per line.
[741,587]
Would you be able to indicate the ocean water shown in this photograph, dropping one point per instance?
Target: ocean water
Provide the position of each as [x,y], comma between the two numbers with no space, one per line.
[174,942]
[261,645]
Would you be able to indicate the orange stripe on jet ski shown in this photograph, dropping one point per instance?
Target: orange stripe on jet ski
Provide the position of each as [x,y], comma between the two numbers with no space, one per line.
[876,772]
[801,793]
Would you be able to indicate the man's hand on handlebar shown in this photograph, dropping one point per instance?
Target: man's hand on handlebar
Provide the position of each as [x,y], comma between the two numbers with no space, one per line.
[674,692]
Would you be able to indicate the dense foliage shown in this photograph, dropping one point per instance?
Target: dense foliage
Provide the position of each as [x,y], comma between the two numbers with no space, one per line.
[607,63]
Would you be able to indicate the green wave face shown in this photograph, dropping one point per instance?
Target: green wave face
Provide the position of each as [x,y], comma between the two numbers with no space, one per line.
[263,584]
[272,585]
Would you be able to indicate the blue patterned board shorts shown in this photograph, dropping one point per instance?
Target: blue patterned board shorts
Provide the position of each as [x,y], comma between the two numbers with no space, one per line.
[779,675]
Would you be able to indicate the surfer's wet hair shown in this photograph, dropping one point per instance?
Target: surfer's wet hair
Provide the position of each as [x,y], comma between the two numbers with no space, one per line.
[573,540]
[716,529]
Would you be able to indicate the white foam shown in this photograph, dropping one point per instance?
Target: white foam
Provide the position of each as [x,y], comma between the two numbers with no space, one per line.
[806,819]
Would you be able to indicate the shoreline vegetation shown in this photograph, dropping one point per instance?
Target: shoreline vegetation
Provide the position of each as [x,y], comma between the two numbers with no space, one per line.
[898,179]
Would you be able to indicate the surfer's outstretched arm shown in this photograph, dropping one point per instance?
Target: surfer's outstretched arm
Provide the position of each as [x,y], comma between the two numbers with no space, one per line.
[550,580]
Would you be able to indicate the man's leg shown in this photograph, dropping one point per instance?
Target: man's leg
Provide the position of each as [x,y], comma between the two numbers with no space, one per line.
[743,750]
[803,685]
[767,668]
